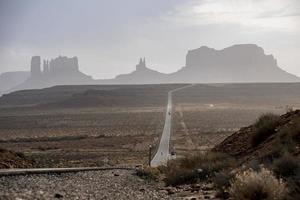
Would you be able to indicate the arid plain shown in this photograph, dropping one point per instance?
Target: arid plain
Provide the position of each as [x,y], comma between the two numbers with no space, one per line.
[66,126]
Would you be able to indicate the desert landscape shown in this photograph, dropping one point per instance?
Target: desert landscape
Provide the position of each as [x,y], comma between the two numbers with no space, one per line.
[207,114]
[114,125]
[114,128]
[158,100]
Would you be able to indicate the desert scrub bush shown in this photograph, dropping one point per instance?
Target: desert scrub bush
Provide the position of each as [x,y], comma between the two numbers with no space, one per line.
[264,127]
[286,166]
[196,167]
[149,173]
[289,137]
[176,175]
[222,182]
[262,185]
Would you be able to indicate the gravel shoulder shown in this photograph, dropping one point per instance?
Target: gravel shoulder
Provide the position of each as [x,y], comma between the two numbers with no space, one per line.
[112,184]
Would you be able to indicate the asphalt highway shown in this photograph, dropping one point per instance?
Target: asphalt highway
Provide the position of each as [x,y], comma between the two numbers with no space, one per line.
[163,153]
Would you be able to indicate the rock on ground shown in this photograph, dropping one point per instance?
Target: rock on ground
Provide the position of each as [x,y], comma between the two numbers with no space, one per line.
[112,184]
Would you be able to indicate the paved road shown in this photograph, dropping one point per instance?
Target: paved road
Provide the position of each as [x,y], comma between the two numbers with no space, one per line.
[163,155]
[4,172]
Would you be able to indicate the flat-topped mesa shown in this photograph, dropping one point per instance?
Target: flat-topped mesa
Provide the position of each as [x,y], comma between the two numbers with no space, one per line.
[242,55]
[237,63]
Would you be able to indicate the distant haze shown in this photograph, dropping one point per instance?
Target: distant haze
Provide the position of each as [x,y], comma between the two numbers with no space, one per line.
[109,36]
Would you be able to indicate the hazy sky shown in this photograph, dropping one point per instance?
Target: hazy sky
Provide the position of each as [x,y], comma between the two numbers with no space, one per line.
[109,36]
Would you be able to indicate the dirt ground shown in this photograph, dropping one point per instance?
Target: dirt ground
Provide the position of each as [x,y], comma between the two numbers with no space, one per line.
[199,127]
[81,137]
[206,114]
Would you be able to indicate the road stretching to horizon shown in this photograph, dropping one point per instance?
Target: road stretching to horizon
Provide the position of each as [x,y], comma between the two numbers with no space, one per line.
[161,157]
[163,153]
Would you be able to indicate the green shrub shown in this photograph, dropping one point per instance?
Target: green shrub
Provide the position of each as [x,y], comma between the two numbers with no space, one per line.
[289,137]
[296,132]
[197,167]
[208,162]
[264,127]
[287,165]
[222,181]
[293,184]
[149,173]
[262,185]
[177,176]
[253,164]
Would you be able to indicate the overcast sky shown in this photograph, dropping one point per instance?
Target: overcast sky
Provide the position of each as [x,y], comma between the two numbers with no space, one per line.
[109,36]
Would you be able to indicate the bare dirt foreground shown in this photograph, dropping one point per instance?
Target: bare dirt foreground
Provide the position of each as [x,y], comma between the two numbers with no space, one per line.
[112,184]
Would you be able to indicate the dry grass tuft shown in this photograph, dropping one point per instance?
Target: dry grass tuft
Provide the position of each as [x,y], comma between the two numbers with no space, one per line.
[262,185]
[197,167]
[149,173]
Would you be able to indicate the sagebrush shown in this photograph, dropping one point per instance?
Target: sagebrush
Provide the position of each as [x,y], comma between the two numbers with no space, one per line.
[196,167]
[264,127]
[262,185]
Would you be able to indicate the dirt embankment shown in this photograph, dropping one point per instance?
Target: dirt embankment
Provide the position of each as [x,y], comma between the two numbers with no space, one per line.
[286,136]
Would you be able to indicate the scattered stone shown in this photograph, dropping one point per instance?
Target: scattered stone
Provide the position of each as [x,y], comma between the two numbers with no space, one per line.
[207,187]
[195,187]
[171,190]
[58,196]
[81,185]
[193,198]
[164,191]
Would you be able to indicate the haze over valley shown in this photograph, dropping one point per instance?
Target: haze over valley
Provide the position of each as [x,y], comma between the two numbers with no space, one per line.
[203,65]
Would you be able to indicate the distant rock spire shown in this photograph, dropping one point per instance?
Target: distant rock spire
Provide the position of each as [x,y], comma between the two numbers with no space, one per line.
[46,67]
[36,67]
[141,65]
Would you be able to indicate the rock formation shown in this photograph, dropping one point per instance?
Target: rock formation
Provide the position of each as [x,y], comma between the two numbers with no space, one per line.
[9,80]
[142,75]
[46,67]
[141,65]
[238,63]
[36,67]
[59,71]
[63,65]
